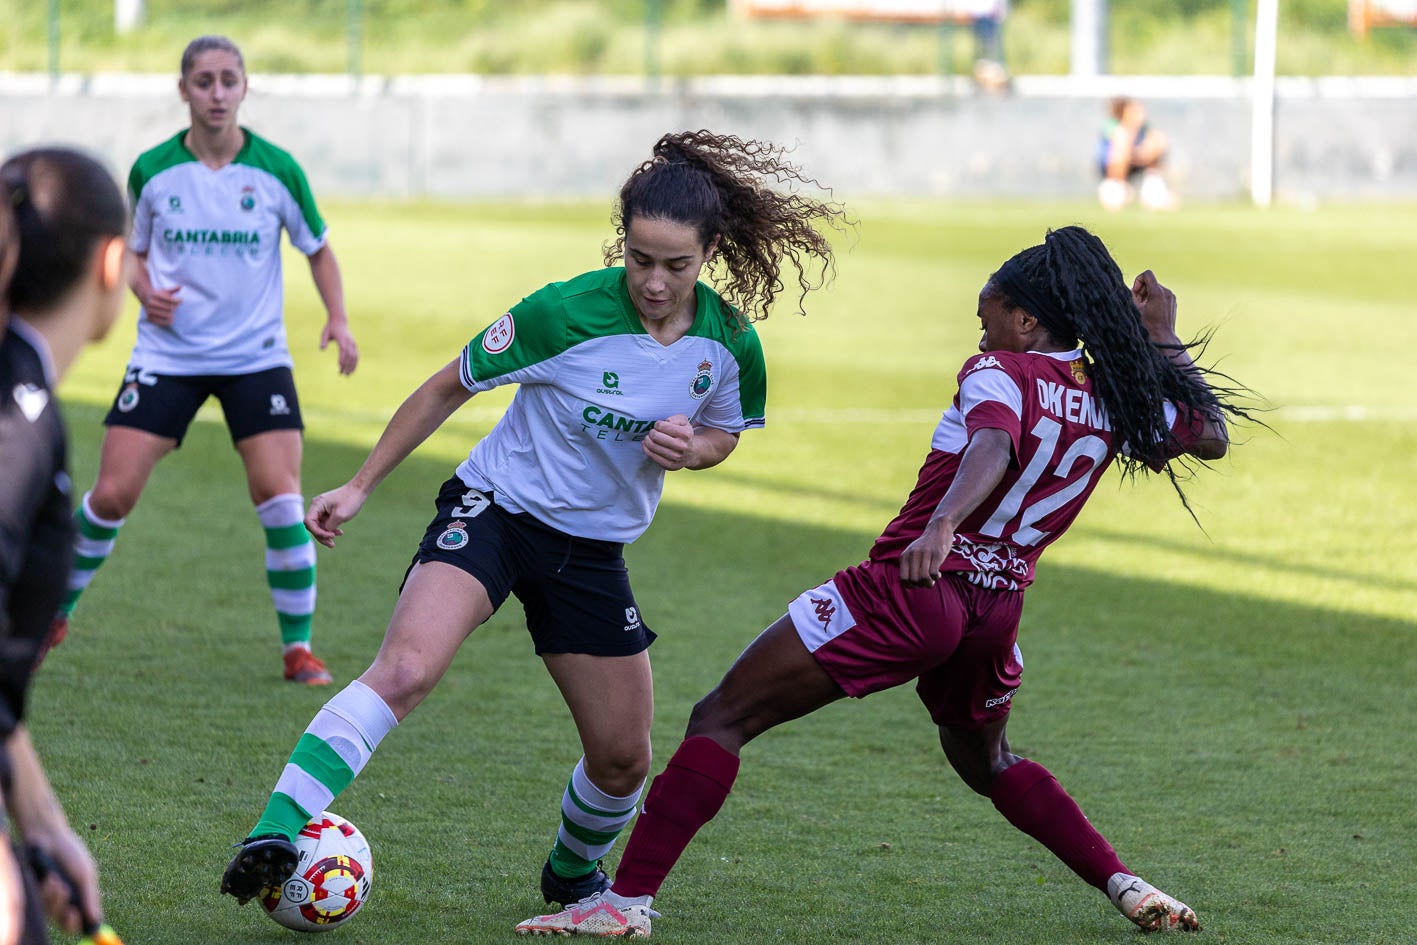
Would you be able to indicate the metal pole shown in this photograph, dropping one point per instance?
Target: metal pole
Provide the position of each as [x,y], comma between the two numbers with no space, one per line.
[1262,114]
[945,56]
[354,34]
[53,42]
[127,15]
[1089,46]
[652,41]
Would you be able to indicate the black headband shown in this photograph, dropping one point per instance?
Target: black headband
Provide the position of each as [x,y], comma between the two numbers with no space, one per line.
[1014,282]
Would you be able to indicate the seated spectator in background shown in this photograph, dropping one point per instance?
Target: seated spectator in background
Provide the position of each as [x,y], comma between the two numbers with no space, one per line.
[987,21]
[1131,148]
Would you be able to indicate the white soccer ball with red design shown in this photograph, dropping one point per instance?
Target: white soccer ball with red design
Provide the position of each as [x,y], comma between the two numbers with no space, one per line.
[331,881]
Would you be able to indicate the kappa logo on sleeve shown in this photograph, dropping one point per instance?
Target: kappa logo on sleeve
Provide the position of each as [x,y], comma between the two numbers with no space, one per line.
[498,337]
[987,361]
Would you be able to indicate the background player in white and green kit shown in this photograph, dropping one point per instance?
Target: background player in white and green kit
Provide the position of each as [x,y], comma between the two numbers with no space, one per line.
[209,205]
[625,373]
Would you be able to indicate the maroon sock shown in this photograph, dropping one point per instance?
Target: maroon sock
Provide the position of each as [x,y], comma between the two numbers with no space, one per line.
[682,799]
[1032,800]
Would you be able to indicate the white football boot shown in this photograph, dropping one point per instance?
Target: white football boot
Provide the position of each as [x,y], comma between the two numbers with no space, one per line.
[603,915]
[1150,908]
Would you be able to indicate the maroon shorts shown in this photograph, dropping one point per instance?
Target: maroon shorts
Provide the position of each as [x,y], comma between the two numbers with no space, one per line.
[870,632]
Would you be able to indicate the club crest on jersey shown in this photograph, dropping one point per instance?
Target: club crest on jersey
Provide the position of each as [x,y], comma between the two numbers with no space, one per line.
[248,198]
[703,381]
[453,537]
[1079,370]
[128,399]
[498,337]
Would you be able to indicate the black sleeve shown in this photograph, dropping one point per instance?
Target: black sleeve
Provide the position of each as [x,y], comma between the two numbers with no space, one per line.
[26,474]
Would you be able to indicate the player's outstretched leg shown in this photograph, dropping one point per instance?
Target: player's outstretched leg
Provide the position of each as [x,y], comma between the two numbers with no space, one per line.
[1150,908]
[261,862]
[334,749]
[591,820]
[604,915]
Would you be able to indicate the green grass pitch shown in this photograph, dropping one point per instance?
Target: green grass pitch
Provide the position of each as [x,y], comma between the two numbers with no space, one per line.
[1232,706]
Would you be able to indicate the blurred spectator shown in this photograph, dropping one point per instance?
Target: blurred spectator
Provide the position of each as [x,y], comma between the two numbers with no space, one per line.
[1130,149]
[987,21]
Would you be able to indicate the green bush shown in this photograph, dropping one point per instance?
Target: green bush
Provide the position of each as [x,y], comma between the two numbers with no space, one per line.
[691,37]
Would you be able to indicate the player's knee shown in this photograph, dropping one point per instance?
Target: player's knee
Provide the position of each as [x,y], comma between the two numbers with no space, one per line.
[402,684]
[113,500]
[620,771]
[968,754]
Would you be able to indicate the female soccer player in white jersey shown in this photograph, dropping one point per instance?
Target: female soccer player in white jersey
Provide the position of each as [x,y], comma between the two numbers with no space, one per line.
[1076,371]
[624,372]
[209,205]
[67,290]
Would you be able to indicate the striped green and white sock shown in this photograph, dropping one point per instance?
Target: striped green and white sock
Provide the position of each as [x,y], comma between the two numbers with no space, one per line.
[290,566]
[591,820]
[335,748]
[93,543]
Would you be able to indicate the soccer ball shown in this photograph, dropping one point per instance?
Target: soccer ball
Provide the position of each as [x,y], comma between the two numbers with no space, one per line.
[332,878]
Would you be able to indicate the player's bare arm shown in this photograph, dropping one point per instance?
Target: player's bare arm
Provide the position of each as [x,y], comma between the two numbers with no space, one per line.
[983,465]
[1157,305]
[324,269]
[423,412]
[675,443]
[160,305]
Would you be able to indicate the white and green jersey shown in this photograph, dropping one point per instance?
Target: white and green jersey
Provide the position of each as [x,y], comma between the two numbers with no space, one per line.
[593,383]
[216,233]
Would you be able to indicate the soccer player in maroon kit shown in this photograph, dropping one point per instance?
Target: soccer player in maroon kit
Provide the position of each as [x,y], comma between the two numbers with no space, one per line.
[1076,371]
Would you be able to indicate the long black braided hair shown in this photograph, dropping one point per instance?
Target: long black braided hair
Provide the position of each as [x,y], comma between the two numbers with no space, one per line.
[721,186]
[1075,289]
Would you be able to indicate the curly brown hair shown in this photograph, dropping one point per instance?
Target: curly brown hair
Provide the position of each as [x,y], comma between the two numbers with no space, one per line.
[721,186]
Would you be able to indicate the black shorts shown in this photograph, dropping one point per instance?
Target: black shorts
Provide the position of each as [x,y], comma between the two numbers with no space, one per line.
[164,404]
[575,591]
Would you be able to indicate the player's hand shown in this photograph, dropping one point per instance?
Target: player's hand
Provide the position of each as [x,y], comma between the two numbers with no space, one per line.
[338,332]
[921,561]
[1157,305]
[160,306]
[329,510]
[671,442]
[77,888]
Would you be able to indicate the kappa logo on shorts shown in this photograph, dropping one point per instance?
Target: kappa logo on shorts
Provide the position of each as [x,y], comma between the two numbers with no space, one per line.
[453,537]
[279,408]
[826,610]
[498,337]
[128,399]
[632,619]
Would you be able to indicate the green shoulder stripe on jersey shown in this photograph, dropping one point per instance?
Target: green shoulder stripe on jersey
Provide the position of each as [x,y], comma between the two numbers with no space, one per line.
[724,325]
[601,302]
[259,153]
[154,161]
[538,332]
[554,319]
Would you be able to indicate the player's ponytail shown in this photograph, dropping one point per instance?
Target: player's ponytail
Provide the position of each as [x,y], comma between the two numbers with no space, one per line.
[1074,287]
[721,186]
[64,203]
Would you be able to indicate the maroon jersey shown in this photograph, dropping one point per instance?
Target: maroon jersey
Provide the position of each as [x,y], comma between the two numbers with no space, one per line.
[1062,443]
